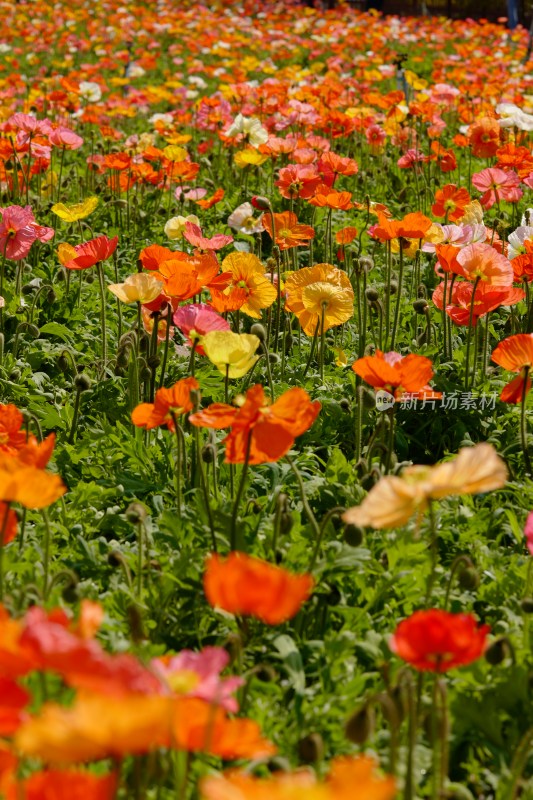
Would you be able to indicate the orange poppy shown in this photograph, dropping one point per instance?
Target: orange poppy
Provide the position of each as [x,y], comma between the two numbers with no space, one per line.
[394,373]
[480,261]
[523,264]
[26,484]
[209,202]
[289,232]
[152,257]
[516,355]
[450,202]
[246,586]
[348,779]
[11,435]
[486,299]
[326,197]
[68,785]
[184,275]
[248,280]
[200,726]
[339,165]
[346,235]
[168,403]
[266,432]
[412,226]
[484,137]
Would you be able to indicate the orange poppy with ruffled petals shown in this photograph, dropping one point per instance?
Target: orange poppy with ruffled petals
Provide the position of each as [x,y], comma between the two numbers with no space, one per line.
[260,432]
[168,403]
[246,586]
[394,373]
[289,232]
[516,355]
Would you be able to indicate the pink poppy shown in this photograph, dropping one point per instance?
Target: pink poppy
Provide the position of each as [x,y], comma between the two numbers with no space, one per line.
[43,232]
[497,185]
[64,137]
[197,319]
[206,667]
[29,125]
[482,261]
[17,232]
[193,234]
[412,157]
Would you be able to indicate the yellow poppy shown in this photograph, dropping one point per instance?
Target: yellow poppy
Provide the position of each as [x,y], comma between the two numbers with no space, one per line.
[319,292]
[77,211]
[249,157]
[231,352]
[247,273]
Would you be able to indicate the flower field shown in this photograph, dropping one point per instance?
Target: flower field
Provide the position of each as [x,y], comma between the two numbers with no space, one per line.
[266,344]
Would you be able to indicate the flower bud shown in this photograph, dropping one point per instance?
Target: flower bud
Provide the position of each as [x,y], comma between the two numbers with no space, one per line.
[344,404]
[259,330]
[286,523]
[34,331]
[526,604]
[353,535]
[393,287]
[421,305]
[372,295]
[265,673]
[366,263]
[208,453]
[136,512]
[14,375]
[360,725]
[468,578]
[311,749]
[260,203]
[498,651]
[82,382]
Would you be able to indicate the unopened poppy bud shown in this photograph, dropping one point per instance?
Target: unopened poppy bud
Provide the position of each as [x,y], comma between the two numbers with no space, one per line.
[273,358]
[468,578]
[311,749]
[286,523]
[526,604]
[271,264]
[260,202]
[259,330]
[456,791]
[15,374]
[63,363]
[344,404]
[265,673]
[208,454]
[233,646]
[82,382]
[370,479]
[51,296]
[27,289]
[366,263]
[369,399]
[34,331]
[135,623]
[420,305]
[360,725]
[372,295]
[353,535]
[393,287]
[498,651]
[70,591]
[154,362]
[333,597]
[136,512]
[421,291]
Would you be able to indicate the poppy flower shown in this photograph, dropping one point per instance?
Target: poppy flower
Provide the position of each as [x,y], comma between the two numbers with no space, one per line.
[289,232]
[247,274]
[298,181]
[460,308]
[197,319]
[483,262]
[138,288]
[516,355]
[497,185]
[243,221]
[246,586]
[17,232]
[412,226]
[339,165]
[93,252]
[200,727]
[168,403]
[175,226]
[319,294]
[26,484]
[75,212]
[528,532]
[153,256]
[450,202]
[436,640]
[249,128]
[58,784]
[484,137]
[185,275]
[346,235]
[12,437]
[394,373]
[349,778]
[209,202]
[265,431]
[395,499]
[8,523]
[326,197]
[65,138]
[231,353]
[193,234]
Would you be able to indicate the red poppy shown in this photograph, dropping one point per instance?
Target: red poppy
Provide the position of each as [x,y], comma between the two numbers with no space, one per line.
[436,640]
[266,431]
[298,181]
[93,252]
[243,585]
[487,299]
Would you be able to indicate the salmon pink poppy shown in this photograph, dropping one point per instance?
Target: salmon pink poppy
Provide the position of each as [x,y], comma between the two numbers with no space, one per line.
[497,185]
[193,234]
[260,432]
[17,232]
[66,138]
[528,532]
[246,586]
[436,640]
[482,262]
[298,181]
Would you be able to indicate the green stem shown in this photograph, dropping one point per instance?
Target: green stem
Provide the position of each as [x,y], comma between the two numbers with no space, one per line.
[140,560]
[398,300]
[469,336]
[523,427]
[168,319]
[75,416]
[238,496]
[316,552]
[307,508]
[46,552]
[434,548]
[101,281]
